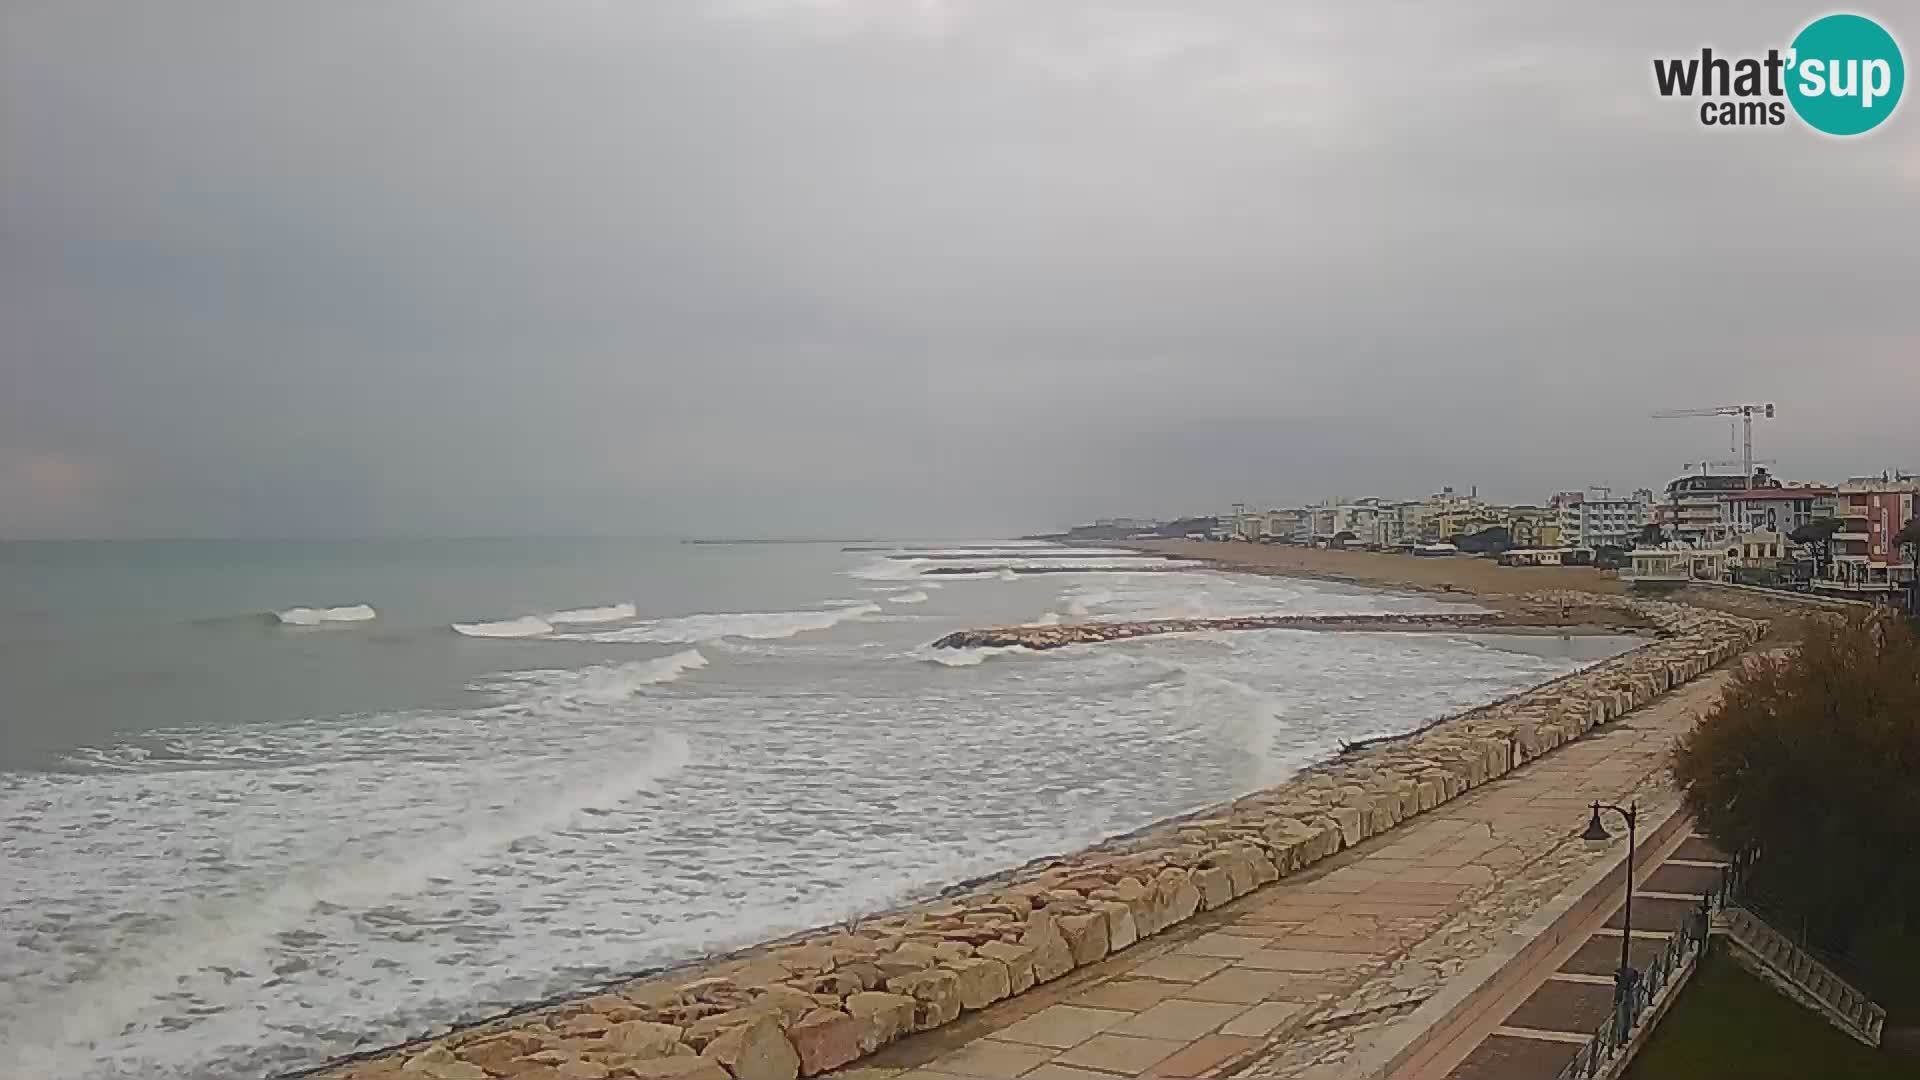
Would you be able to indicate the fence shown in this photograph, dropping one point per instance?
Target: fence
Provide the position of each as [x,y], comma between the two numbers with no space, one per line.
[1635,995]
[1792,924]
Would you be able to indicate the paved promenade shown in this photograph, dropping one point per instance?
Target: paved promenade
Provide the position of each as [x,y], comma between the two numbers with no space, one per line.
[1322,975]
[1538,1026]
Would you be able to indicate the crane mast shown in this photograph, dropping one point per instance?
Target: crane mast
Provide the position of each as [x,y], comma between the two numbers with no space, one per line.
[1746,413]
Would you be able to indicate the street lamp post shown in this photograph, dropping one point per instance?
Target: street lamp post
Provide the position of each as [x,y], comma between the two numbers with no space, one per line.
[1623,979]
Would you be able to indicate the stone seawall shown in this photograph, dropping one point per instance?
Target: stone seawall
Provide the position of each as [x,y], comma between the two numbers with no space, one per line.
[822,1000]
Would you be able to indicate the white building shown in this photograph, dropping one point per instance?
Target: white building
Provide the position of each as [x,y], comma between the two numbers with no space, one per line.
[1594,518]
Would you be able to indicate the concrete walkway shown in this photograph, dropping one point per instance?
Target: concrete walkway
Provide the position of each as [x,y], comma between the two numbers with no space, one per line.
[1323,974]
[1564,1006]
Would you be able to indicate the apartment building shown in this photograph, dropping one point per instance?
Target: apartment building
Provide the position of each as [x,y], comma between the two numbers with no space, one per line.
[1865,557]
[1781,509]
[1596,518]
[1693,508]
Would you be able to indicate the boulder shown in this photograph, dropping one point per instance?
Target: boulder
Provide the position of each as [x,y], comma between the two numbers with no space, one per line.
[825,1039]
[1140,903]
[440,1064]
[676,1068]
[643,1039]
[701,1033]
[1178,897]
[755,1050]
[984,980]
[709,988]
[585,1025]
[1086,936]
[1238,867]
[1265,870]
[908,958]
[1052,956]
[936,993]
[883,1018]
[494,1051]
[1291,841]
[1348,819]
[1215,885]
[1121,929]
[787,1003]
[1427,794]
[1018,960]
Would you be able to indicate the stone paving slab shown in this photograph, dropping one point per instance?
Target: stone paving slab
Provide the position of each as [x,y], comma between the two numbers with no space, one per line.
[1504,1057]
[1655,913]
[1571,1004]
[1289,980]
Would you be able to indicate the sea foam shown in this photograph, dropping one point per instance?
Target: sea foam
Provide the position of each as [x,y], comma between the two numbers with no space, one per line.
[610,613]
[764,625]
[311,616]
[524,626]
[604,684]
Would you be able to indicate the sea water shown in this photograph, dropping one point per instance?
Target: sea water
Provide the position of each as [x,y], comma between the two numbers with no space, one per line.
[263,804]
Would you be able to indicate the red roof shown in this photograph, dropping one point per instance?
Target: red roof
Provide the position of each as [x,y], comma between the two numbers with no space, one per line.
[1781,493]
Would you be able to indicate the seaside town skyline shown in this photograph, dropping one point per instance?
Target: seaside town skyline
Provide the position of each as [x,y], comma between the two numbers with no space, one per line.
[1843,537]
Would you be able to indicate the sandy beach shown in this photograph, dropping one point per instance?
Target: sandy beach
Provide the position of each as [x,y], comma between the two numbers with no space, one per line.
[1456,573]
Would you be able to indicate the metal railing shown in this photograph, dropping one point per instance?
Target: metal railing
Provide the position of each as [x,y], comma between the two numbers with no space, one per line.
[1636,992]
[1787,920]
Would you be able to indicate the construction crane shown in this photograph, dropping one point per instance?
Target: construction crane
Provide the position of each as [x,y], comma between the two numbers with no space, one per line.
[1704,466]
[1744,412]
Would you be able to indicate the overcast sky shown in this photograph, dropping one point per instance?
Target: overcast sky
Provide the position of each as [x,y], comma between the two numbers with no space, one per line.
[911,266]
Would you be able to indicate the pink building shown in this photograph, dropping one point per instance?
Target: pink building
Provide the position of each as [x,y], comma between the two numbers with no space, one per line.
[1776,509]
[1865,557]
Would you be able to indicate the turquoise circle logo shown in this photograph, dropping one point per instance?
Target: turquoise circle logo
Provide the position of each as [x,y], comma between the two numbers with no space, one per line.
[1845,74]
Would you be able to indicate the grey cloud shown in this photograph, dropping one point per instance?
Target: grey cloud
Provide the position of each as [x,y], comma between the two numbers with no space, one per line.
[874,266]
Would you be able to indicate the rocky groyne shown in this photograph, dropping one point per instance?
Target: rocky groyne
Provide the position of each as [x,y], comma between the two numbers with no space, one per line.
[823,1000]
[1064,634]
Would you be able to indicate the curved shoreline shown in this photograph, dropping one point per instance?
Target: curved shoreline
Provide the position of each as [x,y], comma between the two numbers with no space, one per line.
[823,998]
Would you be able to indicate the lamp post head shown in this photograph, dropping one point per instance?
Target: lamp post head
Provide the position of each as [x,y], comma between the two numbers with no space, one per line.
[1596,832]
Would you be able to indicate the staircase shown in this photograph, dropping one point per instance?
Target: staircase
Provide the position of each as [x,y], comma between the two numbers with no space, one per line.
[1806,978]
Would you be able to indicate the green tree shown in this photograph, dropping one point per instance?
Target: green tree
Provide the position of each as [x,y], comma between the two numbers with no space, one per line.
[1813,758]
[1817,536]
[1908,539]
[1489,540]
[1650,534]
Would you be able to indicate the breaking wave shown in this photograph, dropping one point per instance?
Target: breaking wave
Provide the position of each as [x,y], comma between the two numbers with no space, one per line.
[693,629]
[914,597]
[604,684]
[885,569]
[967,657]
[309,616]
[610,613]
[524,626]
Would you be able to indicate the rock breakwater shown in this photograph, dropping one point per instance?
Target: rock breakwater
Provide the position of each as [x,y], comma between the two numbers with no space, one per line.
[1063,634]
[825,999]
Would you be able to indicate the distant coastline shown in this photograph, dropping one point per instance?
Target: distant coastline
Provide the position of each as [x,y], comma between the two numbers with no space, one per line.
[724,541]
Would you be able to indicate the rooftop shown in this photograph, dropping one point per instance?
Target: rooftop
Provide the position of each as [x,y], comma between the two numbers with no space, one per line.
[1787,493]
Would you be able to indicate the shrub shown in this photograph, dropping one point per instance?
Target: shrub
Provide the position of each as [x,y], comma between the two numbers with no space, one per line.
[1814,758]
